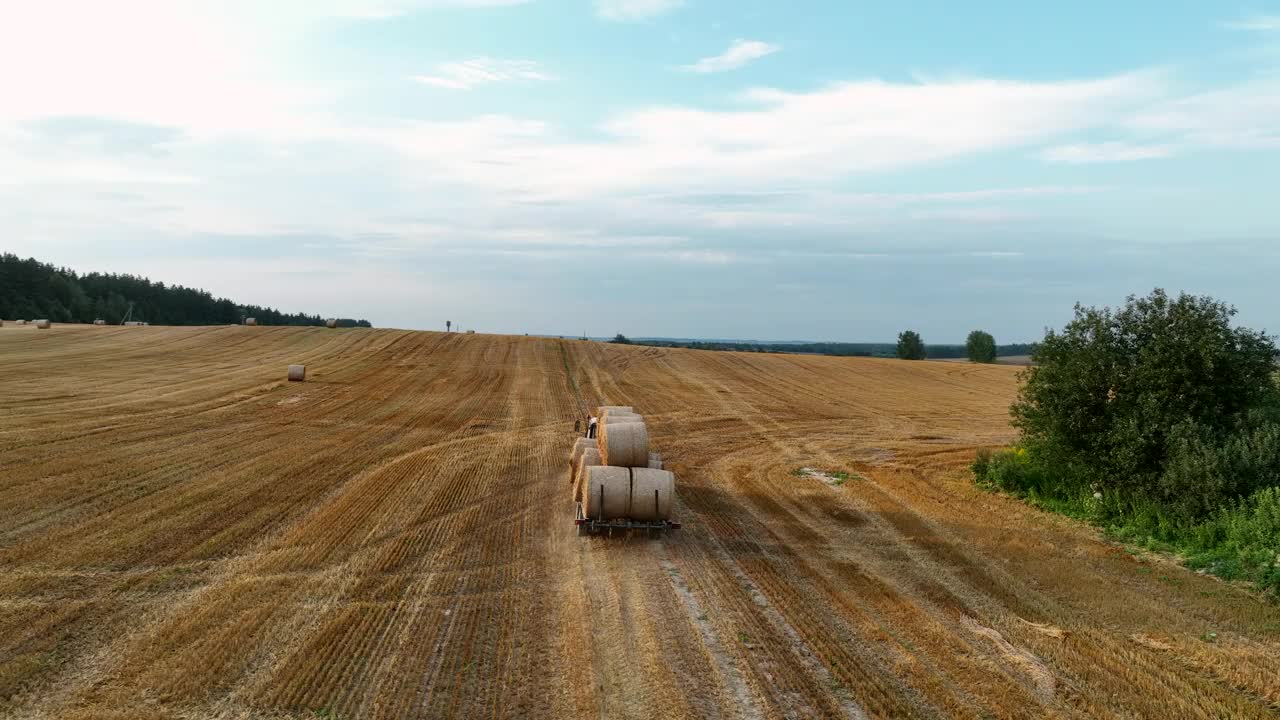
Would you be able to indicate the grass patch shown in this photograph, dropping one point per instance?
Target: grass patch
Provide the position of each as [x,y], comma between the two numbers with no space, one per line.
[1239,541]
[835,478]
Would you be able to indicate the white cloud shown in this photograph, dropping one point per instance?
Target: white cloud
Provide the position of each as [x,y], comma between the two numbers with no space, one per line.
[739,53]
[373,9]
[701,257]
[1104,152]
[1256,23]
[1243,116]
[196,66]
[803,138]
[634,10]
[466,74]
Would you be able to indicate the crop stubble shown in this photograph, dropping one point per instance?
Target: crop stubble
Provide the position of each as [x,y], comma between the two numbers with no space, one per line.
[184,534]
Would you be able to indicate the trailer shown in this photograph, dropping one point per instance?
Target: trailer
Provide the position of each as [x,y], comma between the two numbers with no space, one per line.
[613,460]
[621,526]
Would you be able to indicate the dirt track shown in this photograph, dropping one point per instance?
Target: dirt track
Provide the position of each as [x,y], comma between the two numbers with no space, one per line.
[183,534]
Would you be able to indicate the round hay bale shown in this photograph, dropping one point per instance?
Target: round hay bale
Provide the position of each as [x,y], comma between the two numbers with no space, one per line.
[617,417]
[251,321]
[99,322]
[42,324]
[652,492]
[331,323]
[624,444]
[607,492]
[655,461]
[590,459]
[604,409]
[19,322]
[297,373]
[580,446]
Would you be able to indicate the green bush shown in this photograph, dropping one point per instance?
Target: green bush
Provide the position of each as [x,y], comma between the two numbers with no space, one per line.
[1115,394]
[1241,541]
[1010,471]
[1204,469]
[1159,421]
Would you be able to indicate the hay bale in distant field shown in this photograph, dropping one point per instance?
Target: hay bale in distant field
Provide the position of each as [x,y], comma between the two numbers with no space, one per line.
[651,494]
[43,324]
[655,461]
[99,322]
[590,458]
[331,323]
[134,323]
[19,322]
[624,444]
[606,495]
[471,332]
[297,373]
[251,321]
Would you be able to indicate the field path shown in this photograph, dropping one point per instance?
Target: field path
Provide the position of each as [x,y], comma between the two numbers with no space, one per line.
[183,534]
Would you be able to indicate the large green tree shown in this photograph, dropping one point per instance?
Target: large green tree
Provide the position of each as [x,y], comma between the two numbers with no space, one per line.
[1117,397]
[910,346]
[981,347]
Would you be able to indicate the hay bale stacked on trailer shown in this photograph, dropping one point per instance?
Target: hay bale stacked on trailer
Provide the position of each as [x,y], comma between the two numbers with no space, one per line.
[618,484]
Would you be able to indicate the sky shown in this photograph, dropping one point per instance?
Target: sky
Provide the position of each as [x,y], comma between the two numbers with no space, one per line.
[752,169]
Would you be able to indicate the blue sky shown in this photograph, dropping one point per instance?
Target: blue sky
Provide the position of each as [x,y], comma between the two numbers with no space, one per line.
[817,170]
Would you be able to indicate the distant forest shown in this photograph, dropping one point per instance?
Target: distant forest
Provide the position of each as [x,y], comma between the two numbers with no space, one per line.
[833,348]
[30,289]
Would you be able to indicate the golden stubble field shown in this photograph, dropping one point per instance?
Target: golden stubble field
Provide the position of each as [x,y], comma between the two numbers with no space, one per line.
[185,535]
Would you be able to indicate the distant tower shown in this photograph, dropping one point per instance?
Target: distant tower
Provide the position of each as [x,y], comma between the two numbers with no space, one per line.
[448,325]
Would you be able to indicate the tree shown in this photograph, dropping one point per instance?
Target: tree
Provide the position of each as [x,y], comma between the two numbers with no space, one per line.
[620,339]
[910,346]
[1116,395]
[981,347]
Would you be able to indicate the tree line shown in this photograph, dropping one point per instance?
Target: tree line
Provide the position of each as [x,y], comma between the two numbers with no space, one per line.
[837,349]
[980,347]
[30,289]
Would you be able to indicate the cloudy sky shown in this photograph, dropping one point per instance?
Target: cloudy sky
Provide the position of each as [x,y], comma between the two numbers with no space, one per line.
[714,168]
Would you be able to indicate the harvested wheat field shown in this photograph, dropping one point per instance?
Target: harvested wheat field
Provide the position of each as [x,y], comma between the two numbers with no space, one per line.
[186,534]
